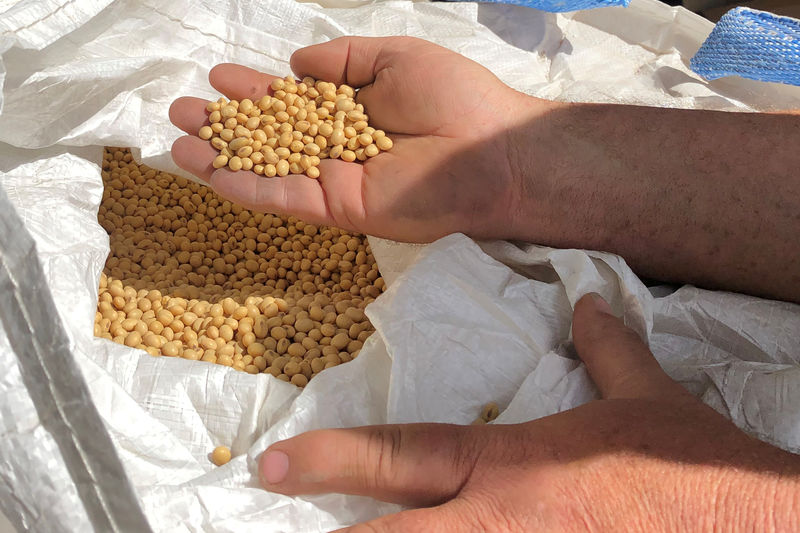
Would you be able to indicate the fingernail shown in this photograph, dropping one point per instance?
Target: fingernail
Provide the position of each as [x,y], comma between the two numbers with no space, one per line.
[274,466]
[600,304]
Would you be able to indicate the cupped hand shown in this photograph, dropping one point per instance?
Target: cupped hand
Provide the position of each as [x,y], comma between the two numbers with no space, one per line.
[647,457]
[449,119]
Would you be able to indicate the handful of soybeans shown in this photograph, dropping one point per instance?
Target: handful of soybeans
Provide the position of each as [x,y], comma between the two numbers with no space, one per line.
[290,131]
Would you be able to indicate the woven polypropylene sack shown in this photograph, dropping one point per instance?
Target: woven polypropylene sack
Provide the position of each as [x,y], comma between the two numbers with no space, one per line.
[751,44]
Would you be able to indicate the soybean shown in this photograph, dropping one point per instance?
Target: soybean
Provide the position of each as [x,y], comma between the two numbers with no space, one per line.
[191,275]
[221,455]
[315,118]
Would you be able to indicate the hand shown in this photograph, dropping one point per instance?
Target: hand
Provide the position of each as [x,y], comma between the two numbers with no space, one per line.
[647,457]
[449,119]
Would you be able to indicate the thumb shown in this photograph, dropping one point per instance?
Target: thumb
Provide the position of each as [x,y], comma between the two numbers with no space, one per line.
[619,362]
[411,464]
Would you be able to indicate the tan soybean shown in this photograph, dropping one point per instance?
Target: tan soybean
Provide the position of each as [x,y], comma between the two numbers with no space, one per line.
[315,118]
[489,412]
[221,455]
[194,276]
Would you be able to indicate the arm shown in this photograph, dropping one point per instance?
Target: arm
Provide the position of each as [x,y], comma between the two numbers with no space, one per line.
[472,155]
[688,196]
[705,197]
[648,457]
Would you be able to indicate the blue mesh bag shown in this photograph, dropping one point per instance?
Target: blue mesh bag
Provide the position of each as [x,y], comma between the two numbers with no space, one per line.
[558,6]
[745,42]
[751,44]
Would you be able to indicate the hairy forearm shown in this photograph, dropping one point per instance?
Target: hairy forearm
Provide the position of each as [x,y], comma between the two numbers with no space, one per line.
[701,197]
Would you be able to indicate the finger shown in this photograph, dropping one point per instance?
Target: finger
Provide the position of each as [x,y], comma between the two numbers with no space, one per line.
[189,114]
[293,194]
[618,361]
[442,519]
[238,82]
[332,199]
[412,464]
[351,60]
[194,155]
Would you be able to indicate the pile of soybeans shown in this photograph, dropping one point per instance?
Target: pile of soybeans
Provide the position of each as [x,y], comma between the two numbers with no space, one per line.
[292,130]
[191,275]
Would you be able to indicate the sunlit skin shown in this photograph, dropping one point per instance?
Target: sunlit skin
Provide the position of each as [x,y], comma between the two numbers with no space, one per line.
[394,194]
[648,457]
[654,185]
[700,197]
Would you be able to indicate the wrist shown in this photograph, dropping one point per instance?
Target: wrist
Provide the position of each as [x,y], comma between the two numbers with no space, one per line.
[569,165]
[757,501]
[757,493]
[750,486]
[536,161]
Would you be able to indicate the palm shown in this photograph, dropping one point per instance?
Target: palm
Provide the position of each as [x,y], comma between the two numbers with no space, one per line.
[436,105]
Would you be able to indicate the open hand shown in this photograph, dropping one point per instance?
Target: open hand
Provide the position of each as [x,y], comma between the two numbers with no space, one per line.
[449,119]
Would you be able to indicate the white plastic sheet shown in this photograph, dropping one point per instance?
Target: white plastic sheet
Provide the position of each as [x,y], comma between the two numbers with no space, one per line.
[460,325]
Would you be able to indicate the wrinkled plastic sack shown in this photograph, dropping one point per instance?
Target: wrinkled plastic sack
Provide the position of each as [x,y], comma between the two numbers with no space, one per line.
[104,73]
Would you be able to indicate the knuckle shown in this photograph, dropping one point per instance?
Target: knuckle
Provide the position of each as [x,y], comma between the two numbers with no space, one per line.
[383,448]
[466,452]
[506,446]
[631,338]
